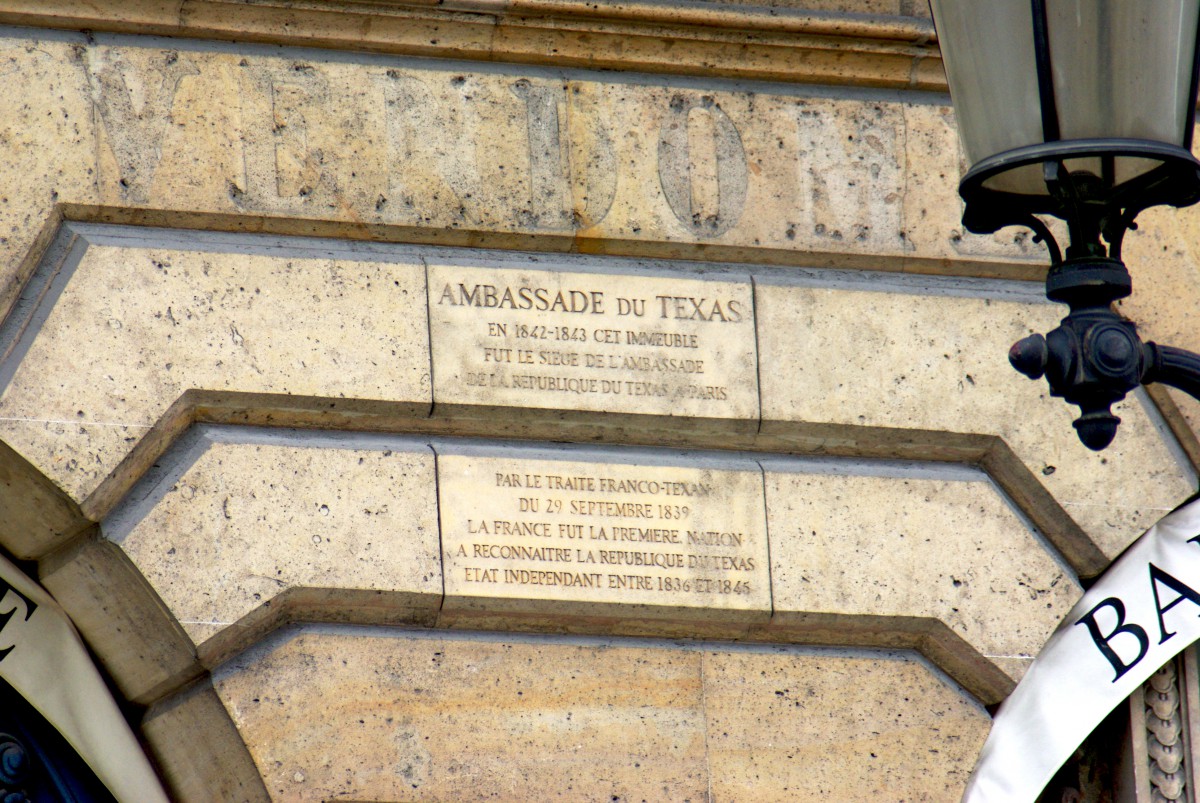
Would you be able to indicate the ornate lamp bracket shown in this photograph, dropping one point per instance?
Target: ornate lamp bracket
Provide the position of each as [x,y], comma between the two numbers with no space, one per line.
[1095,357]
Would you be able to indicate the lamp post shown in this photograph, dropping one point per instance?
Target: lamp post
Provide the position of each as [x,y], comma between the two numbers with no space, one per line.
[1081,110]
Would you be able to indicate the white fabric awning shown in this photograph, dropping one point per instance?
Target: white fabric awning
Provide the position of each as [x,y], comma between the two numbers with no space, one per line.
[43,658]
[1144,610]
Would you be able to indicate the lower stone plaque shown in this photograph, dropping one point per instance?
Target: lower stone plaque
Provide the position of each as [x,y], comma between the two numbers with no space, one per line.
[592,533]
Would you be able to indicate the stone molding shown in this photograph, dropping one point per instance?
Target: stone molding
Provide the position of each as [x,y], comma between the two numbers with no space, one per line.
[137,534]
[793,417]
[748,41]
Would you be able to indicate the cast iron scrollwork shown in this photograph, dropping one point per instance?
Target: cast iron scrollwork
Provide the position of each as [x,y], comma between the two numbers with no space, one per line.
[14,770]
[1095,357]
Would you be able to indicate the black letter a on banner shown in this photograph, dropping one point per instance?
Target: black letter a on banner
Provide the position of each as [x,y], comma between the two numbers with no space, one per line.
[1185,591]
[1108,652]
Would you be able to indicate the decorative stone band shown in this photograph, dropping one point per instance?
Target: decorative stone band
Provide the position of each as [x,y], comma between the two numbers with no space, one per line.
[42,657]
[1141,613]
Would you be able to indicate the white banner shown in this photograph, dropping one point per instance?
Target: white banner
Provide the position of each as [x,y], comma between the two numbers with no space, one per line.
[1144,610]
[42,657]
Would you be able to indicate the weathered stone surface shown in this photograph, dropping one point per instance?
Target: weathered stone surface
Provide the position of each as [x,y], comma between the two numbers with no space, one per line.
[234,526]
[665,345]
[912,544]
[190,134]
[1162,259]
[200,753]
[822,42]
[135,638]
[932,209]
[419,717]
[926,358]
[434,719]
[595,534]
[38,516]
[48,136]
[160,318]
[829,726]
[364,145]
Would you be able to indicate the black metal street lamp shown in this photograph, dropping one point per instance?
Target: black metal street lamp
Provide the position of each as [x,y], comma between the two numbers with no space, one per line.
[1082,110]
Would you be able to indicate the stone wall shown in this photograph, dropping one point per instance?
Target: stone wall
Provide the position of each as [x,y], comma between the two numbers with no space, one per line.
[524,399]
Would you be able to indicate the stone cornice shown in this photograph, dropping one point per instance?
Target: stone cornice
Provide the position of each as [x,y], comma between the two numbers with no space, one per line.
[748,42]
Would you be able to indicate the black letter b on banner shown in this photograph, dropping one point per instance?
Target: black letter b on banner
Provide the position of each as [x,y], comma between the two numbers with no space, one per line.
[1108,652]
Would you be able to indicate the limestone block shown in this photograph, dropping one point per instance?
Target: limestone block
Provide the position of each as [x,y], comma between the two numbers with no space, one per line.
[933,209]
[929,355]
[362,145]
[141,647]
[912,544]
[160,318]
[199,751]
[181,114]
[47,138]
[836,726]
[229,530]
[1188,407]
[872,40]
[433,718]
[1162,259]
[419,716]
[37,514]
[602,342]
[602,535]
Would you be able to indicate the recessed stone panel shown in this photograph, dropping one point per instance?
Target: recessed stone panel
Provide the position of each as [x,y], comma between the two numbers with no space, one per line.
[422,716]
[929,355]
[435,718]
[664,345]
[825,725]
[130,319]
[913,545]
[559,534]
[239,526]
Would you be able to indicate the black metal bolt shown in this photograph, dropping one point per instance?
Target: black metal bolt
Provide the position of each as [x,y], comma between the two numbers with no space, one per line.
[1114,352]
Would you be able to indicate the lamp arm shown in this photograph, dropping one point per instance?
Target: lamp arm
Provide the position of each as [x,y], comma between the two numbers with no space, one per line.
[1175,367]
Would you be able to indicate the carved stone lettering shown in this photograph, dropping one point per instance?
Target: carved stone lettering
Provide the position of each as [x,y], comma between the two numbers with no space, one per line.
[621,533]
[513,151]
[412,110]
[134,103]
[593,341]
[284,159]
[702,166]
[297,168]
[851,185]
[572,184]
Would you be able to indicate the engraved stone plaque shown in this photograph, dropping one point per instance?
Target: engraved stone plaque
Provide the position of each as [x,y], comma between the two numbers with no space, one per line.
[562,533]
[660,345]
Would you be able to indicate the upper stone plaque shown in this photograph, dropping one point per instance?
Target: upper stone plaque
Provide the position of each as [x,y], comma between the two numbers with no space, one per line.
[658,345]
